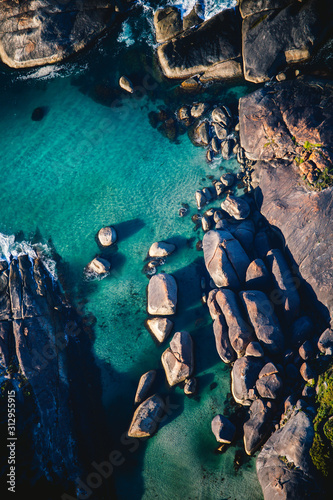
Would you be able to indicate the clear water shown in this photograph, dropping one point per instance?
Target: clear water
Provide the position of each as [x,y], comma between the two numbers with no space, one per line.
[86,165]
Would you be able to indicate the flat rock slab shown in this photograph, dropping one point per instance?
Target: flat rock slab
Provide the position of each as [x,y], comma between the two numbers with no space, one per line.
[46,32]
[146,418]
[162,295]
[215,46]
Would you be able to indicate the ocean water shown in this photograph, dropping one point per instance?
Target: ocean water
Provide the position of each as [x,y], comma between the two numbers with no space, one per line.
[94,160]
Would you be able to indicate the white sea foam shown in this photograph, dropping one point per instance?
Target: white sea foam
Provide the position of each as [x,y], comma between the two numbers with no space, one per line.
[10,248]
[126,35]
[53,71]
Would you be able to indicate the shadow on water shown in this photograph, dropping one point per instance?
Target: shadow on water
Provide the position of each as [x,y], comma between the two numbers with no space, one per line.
[128,228]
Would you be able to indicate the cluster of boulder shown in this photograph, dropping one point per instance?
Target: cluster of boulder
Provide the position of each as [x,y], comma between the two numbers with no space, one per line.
[255,40]
[259,327]
[100,265]
[157,254]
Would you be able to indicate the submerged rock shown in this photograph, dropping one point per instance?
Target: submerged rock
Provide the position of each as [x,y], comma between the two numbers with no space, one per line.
[178,360]
[162,295]
[223,429]
[146,418]
[145,383]
[107,236]
[160,328]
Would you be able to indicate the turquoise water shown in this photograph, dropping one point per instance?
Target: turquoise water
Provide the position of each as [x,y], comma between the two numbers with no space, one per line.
[86,165]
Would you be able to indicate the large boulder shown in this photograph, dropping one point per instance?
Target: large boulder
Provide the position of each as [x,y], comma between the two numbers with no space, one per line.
[99,266]
[240,333]
[257,275]
[325,342]
[223,429]
[263,320]
[167,23]
[46,32]
[244,375]
[146,418]
[107,236]
[258,426]
[284,465]
[236,207]
[161,249]
[178,360]
[160,328]
[269,384]
[162,295]
[144,385]
[278,33]
[222,342]
[213,50]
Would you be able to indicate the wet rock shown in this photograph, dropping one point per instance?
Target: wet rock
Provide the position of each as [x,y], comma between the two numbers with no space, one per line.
[220,116]
[215,145]
[190,387]
[264,321]
[160,328]
[99,266]
[222,342]
[205,223]
[257,276]
[192,19]
[178,360]
[201,134]
[259,425]
[208,194]
[161,249]
[144,386]
[284,465]
[254,349]
[223,429]
[209,155]
[107,236]
[220,188]
[184,115]
[126,84]
[220,131]
[200,199]
[226,149]
[228,179]
[216,260]
[325,342]
[236,207]
[269,383]
[146,418]
[239,332]
[162,295]
[244,375]
[214,309]
[167,23]
[285,284]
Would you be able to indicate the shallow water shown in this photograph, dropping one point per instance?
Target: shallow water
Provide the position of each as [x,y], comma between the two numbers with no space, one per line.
[86,165]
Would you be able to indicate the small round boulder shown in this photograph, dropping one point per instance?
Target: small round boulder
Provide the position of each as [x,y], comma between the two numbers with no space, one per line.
[161,249]
[107,236]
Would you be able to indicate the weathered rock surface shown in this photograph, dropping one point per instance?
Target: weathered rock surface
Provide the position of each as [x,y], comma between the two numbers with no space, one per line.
[258,426]
[214,309]
[222,342]
[239,332]
[284,466]
[325,342]
[263,320]
[107,236]
[216,260]
[285,285]
[46,32]
[244,375]
[212,49]
[160,328]
[279,33]
[269,383]
[144,385]
[146,418]
[161,249]
[254,349]
[190,386]
[162,295]
[167,23]
[223,429]
[257,275]
[178,359]
[236,207]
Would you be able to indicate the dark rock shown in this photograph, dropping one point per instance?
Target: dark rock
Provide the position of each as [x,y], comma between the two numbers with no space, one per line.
[220,131]
[240,334]
[236,207]
[289,35]
[325,342]
[269,383]
[306,350]
[144,386]
[212,49]
[202,134]
[167,23]
[254,349]
[190,386]
[214,309]
[262,244]
[191,20]
[309,392]
[258,426]
[244,375]
[292,373]
[257,276]
[228,179]
[222,342]
[200,199]
[223,429]
[244,233]
[302,330]
[307,373]
[216,260]
[264,321]
[38,33]
[39,113]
